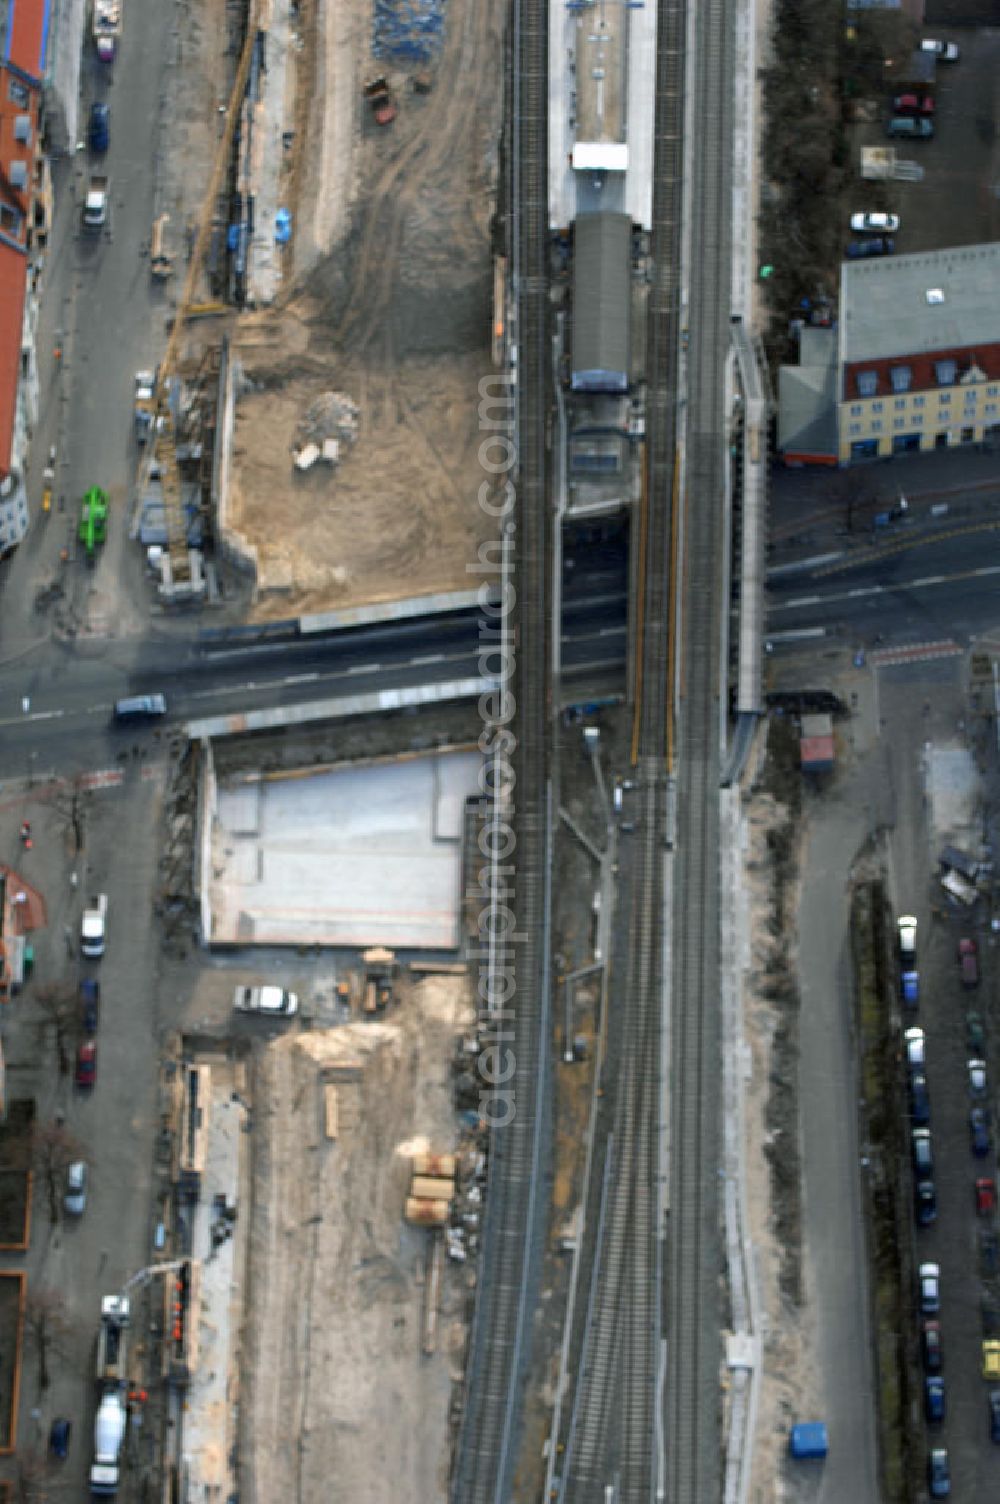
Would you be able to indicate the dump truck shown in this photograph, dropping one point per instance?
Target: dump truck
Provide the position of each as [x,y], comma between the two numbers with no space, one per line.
[95,204]
[112,1339]
[109,1433]
[92,928]
[107,28]
[380,100]
[93,520]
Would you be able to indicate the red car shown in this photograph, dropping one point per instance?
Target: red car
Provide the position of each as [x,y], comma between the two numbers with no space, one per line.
[986,1196]
[86,1064]
[913,104]
[968,961]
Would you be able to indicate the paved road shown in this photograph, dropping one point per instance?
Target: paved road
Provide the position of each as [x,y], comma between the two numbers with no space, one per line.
[101,311]
[833,1240]
[941,585]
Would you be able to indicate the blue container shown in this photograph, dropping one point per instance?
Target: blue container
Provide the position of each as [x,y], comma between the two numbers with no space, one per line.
[809,1439]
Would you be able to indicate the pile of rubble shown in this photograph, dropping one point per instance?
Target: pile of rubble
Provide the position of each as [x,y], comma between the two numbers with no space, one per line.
[330,423]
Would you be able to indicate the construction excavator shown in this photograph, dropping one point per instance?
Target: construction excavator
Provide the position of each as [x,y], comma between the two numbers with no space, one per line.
[160,456]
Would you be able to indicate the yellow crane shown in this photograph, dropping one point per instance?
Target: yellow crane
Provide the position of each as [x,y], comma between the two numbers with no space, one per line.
[162,448]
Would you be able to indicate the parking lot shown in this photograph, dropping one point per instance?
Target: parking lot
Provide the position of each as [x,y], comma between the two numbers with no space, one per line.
[926,704]
[957,202]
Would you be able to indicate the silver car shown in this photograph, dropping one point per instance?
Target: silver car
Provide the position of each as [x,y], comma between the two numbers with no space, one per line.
[75,1199]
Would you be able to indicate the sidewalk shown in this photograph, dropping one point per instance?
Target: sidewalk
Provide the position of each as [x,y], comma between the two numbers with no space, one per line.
[814,511]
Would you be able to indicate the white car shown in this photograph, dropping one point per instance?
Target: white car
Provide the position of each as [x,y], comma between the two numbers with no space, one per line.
[977,1078]
[876,223]
[275,1002]
[945,52]
[915,1052]
[930,1289]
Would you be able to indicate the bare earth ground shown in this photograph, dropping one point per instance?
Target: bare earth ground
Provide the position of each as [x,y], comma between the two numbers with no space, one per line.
[396,317]
[339,1400]
[788,1381]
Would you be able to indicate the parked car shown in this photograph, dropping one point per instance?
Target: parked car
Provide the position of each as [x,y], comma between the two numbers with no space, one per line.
[86,1064]
[975,1034]
[906,928]
[920,1100]
[913,104]
[986,1196]
[76,1188]
[923,1156]
[934,1399]
[910,127]
[945,52]
[977,1078]
[938,1473]
[989,1252]
[930,1289]
[915,1046]
[99,130]
[882,245]
[979,1133]
[994,1403]
[968,961]
[930,1346]
[59,1435]
[909,988]
[925,1203]
[90,998]
[875,223]
[273,1001]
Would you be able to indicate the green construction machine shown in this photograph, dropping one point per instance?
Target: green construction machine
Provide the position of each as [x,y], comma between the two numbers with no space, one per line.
[93,520]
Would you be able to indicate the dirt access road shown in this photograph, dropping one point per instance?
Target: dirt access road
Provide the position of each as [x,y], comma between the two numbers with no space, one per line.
[396,317]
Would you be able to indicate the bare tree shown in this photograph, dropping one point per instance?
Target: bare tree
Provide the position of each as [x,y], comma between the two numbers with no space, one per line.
[54,1149]
[70,808]
[60,1009]
[48,1327]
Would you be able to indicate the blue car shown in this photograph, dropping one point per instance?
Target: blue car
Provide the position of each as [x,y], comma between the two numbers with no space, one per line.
[878,245]
[99,134]
[979,1133]
[934,1399]
[59,1438]
[938,1473]
[909,986]
[920,1100]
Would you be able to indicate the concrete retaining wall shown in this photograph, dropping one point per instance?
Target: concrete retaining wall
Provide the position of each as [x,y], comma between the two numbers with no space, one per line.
[232,545]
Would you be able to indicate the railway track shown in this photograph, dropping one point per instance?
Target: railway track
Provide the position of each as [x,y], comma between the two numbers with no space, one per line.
[610,1439]
[692,1262]
[516,1201]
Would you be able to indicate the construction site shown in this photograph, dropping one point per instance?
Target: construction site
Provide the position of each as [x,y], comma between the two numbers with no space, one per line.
[307,441]
[308,438]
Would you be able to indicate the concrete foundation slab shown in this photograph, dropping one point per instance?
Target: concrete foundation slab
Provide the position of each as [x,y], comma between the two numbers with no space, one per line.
[354,856]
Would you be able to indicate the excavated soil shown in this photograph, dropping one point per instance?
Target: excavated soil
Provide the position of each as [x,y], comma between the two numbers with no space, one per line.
[339,1397]
[394,313]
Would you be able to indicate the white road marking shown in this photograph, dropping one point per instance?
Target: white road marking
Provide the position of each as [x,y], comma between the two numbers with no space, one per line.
[431,658]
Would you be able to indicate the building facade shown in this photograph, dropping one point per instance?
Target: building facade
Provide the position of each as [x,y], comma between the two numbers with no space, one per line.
[25,204]
[912,365]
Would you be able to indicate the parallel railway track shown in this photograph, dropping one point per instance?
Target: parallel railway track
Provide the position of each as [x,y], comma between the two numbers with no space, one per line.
[692,1265]
[610,1438]
[489,1436]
